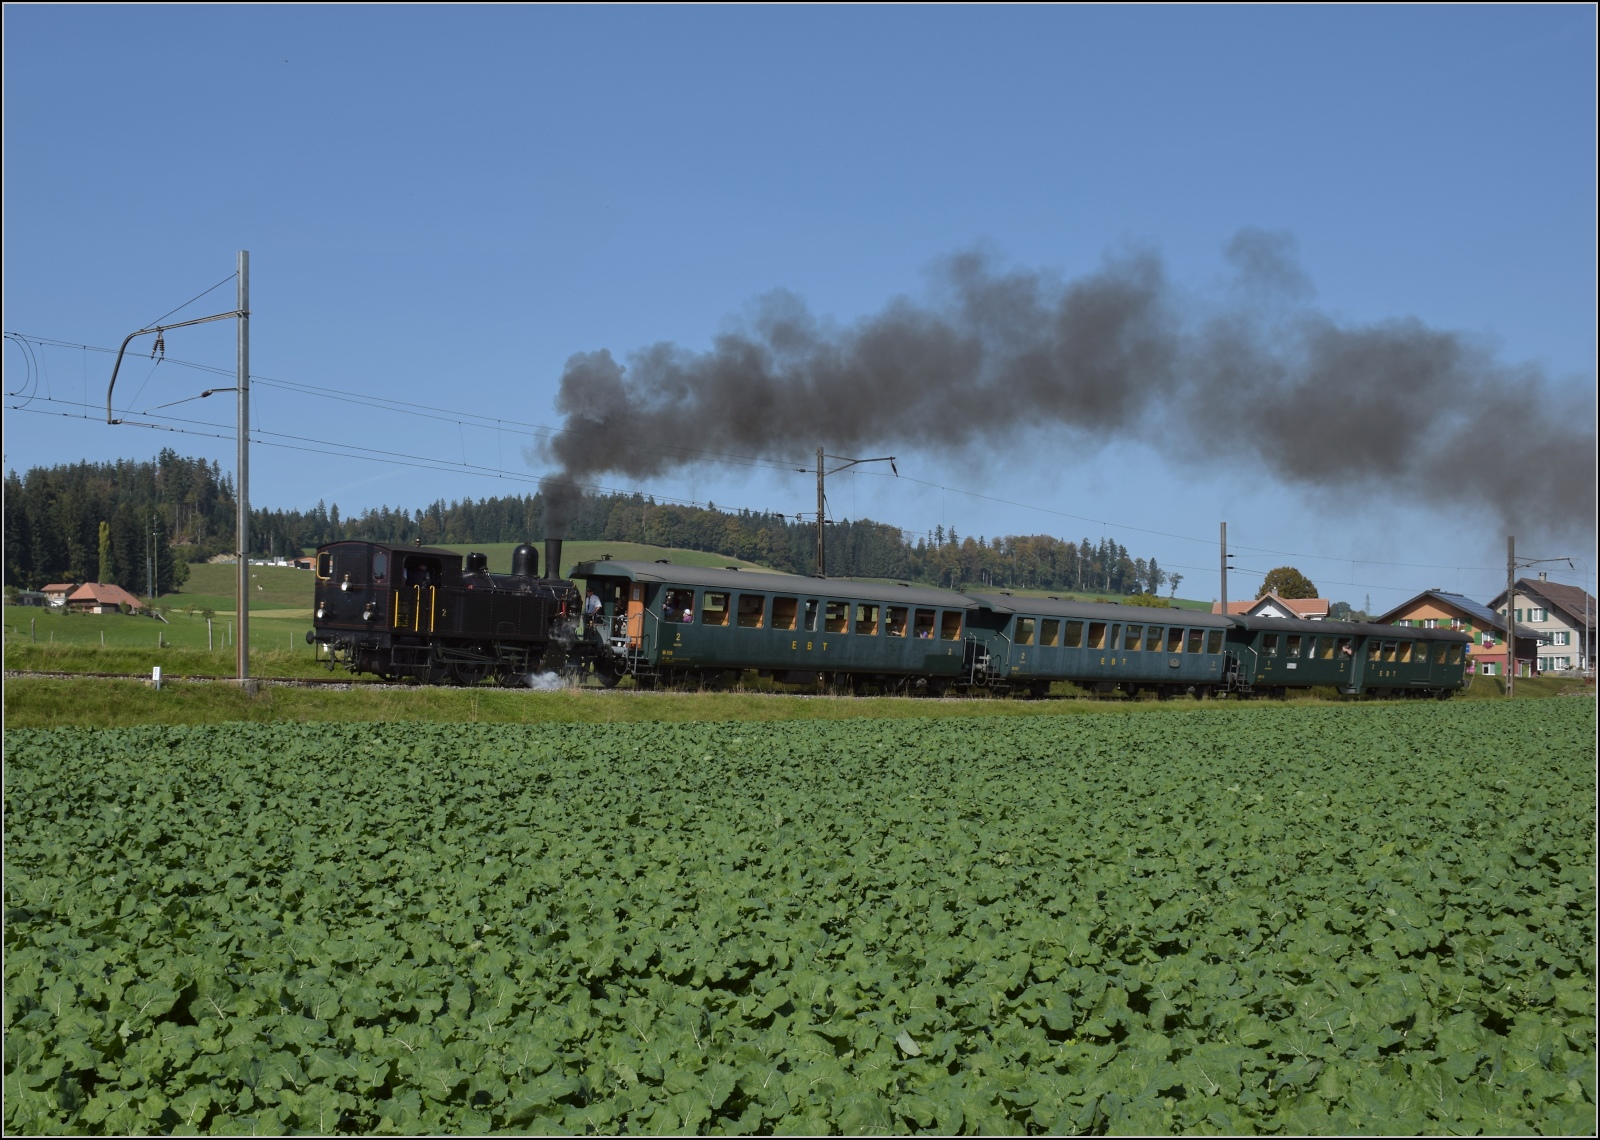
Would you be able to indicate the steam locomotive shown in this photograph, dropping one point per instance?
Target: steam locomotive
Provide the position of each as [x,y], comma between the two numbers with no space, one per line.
[439,617]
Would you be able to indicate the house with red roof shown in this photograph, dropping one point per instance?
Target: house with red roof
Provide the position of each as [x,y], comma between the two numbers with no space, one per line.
[99,598]
[1270,605]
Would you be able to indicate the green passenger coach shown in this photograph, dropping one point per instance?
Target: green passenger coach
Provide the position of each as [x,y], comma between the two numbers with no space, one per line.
[664,623]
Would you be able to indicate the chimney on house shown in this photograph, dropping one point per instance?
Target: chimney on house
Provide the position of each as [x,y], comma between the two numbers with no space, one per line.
[1544,576]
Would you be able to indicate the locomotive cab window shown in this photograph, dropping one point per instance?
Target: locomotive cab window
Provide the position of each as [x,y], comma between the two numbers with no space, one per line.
[924,624]
[837,618]
[1214,642]
[678,606]
[866,620]
[785,611]
[899,619]
[1135,638]
[1196,636]
[1050,632]
[324,564]
[423,572]
[1294,645]
[1174,640]
[1097,635]
[752,611]
[1154,636]
[1024,631]
[380,565]
[1074,635]
[1269,645]
[950,629]
[714,609]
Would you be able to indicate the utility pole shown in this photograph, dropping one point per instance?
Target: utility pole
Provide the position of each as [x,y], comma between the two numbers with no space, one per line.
[822,563]
[1224,610]
[822,501]
[150,562]
[1511,627]
[243,384]
[242,314]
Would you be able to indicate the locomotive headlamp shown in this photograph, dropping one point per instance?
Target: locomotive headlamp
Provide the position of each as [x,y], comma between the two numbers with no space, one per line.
[366,614]
[345,585]
[320,611]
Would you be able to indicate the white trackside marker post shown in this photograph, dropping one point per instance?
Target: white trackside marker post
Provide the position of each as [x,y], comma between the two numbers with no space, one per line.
[155,677]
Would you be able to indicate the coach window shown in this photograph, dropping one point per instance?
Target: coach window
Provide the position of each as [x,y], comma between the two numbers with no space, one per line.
[1097,635]
[784,612]
[1439,648]
[714,609]
[1024,631]
[1405,653]
[324,564]
[1269,645]
[1294,645]
[837,618]
[899,619]
[811,615]
[677,606]
[951,629]
[1074,635]
[1455,655]
[1391,650]
[752,611]
[1196,636]
[380,565]
[1050,633]
[1374,650]
[1325,648]
[1152,638]
[1174,640]
[924,625]
[1214,642]
[1135,639]
[866,620]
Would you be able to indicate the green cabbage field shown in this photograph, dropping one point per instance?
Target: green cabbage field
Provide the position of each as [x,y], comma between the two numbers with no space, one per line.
[1262,919]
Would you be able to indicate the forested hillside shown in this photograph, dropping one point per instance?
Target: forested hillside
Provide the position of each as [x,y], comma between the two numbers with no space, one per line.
[53,533]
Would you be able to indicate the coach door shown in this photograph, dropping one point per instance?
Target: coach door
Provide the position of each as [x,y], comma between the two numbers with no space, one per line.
[635,615]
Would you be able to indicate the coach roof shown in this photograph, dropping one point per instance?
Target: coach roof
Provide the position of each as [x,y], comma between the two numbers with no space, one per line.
[772,582]
[1108,611]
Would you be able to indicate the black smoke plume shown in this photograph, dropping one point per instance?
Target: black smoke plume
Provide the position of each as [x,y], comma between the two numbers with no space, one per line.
[1257,376]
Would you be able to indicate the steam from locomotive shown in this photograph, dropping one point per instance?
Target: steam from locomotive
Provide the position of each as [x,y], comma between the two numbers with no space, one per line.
[1122,353]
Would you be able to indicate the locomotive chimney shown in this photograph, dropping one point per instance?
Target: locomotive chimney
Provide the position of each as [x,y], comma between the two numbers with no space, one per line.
[552,558]
[525,561]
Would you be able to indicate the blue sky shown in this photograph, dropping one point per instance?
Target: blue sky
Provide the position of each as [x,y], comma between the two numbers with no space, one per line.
[443,205]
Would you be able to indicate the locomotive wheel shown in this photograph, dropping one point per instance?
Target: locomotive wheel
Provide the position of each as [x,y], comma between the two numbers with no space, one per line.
[468,673]
[606,674]
[509,678]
